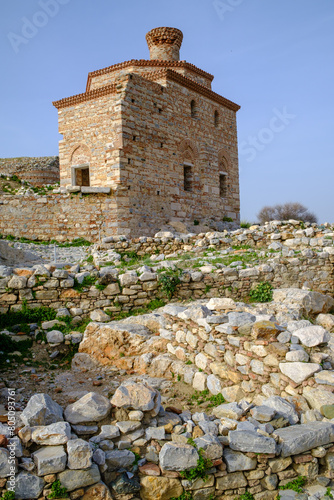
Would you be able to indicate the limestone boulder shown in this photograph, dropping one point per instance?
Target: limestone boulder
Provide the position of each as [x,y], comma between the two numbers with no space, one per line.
[309,302]
[136,396]
[212,447]
[317,397]
[300,438]
[28,486]
[74,479]
[326,321]
[41,410]
[99,316]
[251,441]
[90,408]
[160,488]
[237,461]
[117,459]
[98,491]
[105,342]
[178,457]
[80,454]
[283,408]
[299,371]
[53,434]
[50,460]
[221,304]
[313,335]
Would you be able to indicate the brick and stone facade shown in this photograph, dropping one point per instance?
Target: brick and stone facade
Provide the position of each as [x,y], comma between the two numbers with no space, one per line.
[156,134]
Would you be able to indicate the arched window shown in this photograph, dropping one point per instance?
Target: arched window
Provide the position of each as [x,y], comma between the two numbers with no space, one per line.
[193,109]
[223,177]
[188,176]
[216,118]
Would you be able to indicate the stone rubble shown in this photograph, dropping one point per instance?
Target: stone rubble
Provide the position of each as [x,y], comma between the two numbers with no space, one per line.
[246,453]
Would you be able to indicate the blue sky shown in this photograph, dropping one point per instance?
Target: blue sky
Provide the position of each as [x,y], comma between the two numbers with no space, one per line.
[273,57]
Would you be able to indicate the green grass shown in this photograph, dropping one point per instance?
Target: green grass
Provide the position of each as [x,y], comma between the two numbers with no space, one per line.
[263,292]
[201,397]
[27,315]
[77,242]
[245,496]
[58,491]
[8,495]
[200,471]
[295,485]
[151,306]
[87,282]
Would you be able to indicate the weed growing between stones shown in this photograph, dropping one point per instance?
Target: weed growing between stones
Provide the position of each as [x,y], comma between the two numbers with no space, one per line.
[186,495]
[329,493]
[295,485]
[203,464]
[263,292]
[245,496]
[204,397]
[168,282]
[87,282]
[151,306]
[27,315]
[58,491]
[244,224]
[77,242]
[10,495]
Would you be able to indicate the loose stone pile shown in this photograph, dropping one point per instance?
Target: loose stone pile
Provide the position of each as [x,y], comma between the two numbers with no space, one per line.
[131,447]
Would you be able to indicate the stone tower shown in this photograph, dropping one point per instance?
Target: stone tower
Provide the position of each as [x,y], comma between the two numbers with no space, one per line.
[153,135]
[164,44]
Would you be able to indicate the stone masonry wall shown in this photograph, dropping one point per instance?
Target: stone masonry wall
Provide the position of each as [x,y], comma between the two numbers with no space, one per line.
[129,291]
[58,216]
[37,171]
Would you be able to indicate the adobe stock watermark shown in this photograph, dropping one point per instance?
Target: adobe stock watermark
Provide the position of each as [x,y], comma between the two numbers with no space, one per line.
[11,447]
[30,27]
[257,143]
[223,7]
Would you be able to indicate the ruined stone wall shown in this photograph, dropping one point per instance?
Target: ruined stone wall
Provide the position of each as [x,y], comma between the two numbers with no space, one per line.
[37,171]
[132,291]
[159,136]
[58,216]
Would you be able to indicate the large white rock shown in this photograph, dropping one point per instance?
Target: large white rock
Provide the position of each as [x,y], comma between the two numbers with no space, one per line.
[178,457]
[325,320]
[299,371]
[90,408]
[300,438]
[99,316]
[136,396]
[220,304]
[53,434]
[55,337]
[214,384]
[41,410]
[311,336]
[310,302]
[50,459]
[283,408]
[317,397]
[80,454]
